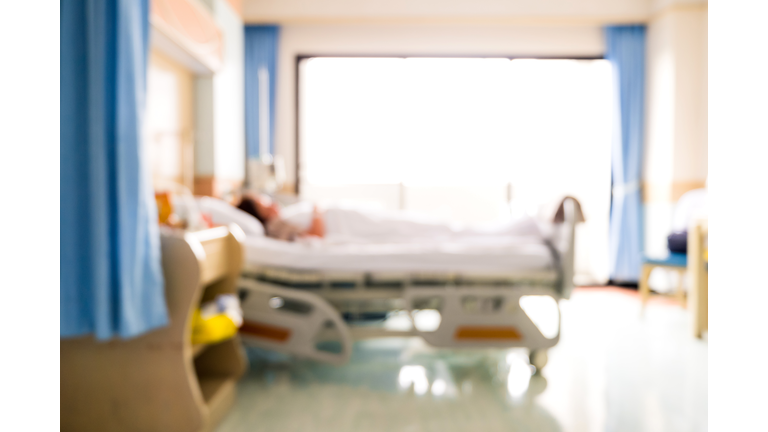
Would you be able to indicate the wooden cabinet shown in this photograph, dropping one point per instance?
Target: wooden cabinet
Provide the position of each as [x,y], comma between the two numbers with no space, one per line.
[159,381]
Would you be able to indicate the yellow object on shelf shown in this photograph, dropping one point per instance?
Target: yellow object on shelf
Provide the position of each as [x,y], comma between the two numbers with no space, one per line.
[213,329]
[164,206]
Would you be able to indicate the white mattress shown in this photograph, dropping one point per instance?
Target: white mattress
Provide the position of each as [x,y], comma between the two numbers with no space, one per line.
[481,255]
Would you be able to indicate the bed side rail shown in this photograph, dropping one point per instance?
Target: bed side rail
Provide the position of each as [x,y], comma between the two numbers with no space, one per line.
[486,317]
[294,322]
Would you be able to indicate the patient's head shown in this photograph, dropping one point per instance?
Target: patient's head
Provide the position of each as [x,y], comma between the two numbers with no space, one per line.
[259,206]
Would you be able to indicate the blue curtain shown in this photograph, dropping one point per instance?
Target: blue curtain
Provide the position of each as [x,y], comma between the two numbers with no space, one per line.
[261,44]
[111,275]
[625,49]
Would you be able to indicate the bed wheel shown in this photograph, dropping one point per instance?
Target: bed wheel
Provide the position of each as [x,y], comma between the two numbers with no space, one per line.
[538,358]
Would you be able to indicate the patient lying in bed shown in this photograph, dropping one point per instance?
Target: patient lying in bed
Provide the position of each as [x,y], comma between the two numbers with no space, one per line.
[340,223]
[268,213]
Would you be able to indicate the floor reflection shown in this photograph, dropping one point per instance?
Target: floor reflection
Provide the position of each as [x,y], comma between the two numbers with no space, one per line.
[613,370]
[398,384]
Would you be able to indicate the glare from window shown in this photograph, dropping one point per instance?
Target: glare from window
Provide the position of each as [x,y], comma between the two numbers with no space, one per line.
[448,121]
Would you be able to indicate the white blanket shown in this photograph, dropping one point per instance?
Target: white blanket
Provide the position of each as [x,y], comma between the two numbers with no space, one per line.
[369,239]
[356,224]
[372,239]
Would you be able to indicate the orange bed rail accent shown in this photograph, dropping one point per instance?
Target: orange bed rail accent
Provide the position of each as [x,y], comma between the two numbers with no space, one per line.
[485,333]
[266,331]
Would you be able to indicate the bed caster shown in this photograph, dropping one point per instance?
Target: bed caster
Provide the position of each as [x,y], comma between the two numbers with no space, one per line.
[538,358]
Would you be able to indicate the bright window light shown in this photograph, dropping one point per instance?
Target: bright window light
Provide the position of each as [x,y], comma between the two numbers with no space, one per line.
[460,137]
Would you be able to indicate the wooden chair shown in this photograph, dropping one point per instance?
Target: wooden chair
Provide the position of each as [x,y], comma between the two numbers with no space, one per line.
[686,209]
[695,263]
[698,266]
[674,261]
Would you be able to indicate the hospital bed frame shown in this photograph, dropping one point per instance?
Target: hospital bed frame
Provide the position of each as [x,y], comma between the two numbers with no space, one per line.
[300,312]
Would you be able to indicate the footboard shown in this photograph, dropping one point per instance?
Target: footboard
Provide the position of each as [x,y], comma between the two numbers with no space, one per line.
[568,215]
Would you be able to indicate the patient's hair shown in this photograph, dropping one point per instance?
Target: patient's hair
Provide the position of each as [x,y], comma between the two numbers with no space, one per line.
[248,205]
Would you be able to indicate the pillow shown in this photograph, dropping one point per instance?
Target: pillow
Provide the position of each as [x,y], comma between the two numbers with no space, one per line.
[222,213]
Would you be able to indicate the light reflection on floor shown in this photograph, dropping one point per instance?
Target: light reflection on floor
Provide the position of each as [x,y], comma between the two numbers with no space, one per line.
[611,371]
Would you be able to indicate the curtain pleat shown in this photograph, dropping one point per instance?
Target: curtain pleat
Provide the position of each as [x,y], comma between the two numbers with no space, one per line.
[625,49]
[261,45]
[111,274]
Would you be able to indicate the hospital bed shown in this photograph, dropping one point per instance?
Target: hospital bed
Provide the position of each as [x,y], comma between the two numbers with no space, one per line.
[314,300]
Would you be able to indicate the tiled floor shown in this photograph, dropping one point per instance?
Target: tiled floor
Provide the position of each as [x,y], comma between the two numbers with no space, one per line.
[613,370]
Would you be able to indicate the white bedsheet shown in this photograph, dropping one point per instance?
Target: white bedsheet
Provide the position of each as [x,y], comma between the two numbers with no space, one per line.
[470,255]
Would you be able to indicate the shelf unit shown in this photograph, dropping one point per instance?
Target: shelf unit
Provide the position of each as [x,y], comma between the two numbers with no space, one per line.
[160,381]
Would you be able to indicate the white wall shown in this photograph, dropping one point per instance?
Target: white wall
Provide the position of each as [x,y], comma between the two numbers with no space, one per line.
[395,39]
[691,95]
[660,132]
[204,120]
[663,5]
[220,107]
[229,97]
[676,138]
[298,10]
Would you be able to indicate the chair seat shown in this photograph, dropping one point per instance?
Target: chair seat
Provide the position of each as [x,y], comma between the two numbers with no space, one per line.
[674,259]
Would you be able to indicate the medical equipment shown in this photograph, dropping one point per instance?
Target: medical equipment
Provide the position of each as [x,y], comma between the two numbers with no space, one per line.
[266,174]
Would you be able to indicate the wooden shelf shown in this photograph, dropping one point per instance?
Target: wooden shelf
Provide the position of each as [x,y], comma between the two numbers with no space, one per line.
[160,381]
[211,386]
[198,349]
[219,392]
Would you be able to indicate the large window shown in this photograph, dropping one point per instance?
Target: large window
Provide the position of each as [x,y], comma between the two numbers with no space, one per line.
[469,139]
